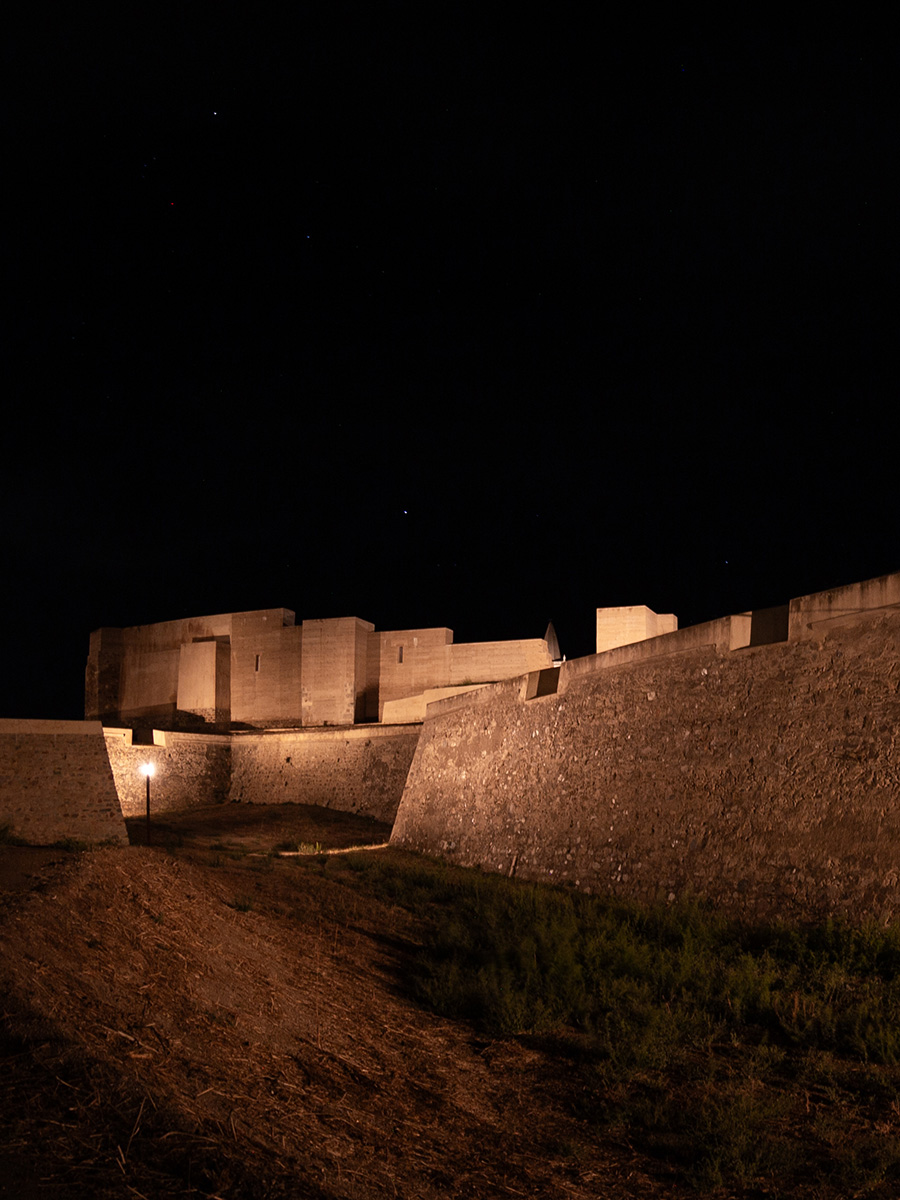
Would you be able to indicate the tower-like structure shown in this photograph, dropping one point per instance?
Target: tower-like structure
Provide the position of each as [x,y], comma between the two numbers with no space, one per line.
[261,669]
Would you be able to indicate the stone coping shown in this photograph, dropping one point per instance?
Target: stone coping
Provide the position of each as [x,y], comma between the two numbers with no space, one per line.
[42,728]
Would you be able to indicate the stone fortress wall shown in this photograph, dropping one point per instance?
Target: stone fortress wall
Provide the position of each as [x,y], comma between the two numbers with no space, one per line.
[253,707]
[75,779]
[761,773]
[189,770]
[751,759]
[360,769]
[240,707]
[56,783]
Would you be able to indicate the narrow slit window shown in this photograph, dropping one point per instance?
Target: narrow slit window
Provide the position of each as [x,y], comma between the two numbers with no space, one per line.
[257,662]
[399,654]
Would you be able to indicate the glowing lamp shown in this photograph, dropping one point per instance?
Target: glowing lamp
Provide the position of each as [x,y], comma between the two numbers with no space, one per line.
[147,769]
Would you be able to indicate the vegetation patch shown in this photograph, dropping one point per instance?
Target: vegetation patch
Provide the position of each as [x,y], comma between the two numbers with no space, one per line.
[380,1008]
[724,1048]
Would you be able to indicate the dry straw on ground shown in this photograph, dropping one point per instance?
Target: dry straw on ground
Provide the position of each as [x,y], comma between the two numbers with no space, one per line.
[208,1021]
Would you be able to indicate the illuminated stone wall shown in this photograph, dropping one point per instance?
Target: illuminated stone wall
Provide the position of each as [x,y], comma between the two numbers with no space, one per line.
[260,670]
[191,770]
[474,662]
[56,783]
[408,662]
[624,625]
[167,675]
[204,681]
[266,652]
[360,769]
[333,672]
[764,778]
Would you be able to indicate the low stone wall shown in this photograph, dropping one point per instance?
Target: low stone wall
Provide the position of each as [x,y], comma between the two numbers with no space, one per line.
[359,769]
[411,710]
[191,770]
[764,778]
[74,779]
[56,783]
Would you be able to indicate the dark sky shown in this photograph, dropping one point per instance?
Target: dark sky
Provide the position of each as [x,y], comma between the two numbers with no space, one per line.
[385,311]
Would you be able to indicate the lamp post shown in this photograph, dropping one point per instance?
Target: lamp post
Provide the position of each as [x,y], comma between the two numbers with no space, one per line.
[148,769]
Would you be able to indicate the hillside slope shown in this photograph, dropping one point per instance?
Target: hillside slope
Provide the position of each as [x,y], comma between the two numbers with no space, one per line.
[209,1023]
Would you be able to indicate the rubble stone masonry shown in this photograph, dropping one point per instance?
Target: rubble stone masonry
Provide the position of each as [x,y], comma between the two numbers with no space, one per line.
[359,768]
[56,783]
[766,778]
[191,770]
[761,774]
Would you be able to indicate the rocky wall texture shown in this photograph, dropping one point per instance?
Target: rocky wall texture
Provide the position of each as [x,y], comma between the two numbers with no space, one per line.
[56,783]
[359,769]
[766,779]
[191,770]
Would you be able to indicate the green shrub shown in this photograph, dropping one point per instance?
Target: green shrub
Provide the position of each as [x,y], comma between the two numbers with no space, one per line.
[731,1138]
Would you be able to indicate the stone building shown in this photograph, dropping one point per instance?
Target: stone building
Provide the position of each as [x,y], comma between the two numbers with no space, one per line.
[262,669]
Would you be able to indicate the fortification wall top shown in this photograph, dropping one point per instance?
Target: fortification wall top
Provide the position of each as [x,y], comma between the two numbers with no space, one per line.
[165,737]
[43,728]
[808,612]
[724,634]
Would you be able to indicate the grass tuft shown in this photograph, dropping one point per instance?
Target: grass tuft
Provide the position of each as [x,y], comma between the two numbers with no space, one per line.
[695,1035]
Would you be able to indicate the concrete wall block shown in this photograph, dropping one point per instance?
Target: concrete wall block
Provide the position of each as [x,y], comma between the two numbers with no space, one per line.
[197,677]
[149,681]
[410,661]
[626,624]
[334,670]
[266,672]
[476,662]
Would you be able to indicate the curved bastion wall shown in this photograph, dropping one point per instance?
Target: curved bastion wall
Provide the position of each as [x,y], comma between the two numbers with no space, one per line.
[763,777]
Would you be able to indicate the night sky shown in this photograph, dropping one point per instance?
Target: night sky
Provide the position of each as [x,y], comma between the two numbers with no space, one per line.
[387,311]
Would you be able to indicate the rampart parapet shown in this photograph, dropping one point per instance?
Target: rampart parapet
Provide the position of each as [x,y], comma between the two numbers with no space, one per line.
[759,773]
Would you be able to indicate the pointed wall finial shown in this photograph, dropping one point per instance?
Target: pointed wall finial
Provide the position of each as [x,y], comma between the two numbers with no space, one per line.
[552,642]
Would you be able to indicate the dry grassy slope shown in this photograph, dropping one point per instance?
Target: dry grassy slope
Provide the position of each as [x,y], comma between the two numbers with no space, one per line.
[276,1039]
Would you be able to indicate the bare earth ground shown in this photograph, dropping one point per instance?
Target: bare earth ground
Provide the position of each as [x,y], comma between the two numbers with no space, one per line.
[186,1020]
